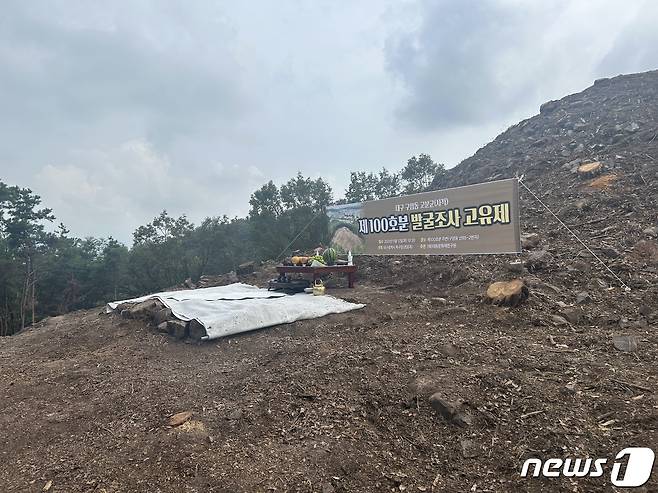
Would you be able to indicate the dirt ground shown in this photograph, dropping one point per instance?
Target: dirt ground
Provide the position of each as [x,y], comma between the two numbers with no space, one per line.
[335,404]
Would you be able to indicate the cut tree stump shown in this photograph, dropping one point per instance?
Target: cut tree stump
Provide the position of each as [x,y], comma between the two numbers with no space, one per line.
[196,330]
[507,293]
[588,170]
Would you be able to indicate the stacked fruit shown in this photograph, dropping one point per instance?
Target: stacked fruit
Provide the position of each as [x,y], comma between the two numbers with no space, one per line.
[329,257]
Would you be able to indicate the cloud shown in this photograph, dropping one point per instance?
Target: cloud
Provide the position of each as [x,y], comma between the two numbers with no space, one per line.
[108,72]
[476,62]
[123,187]
[113,111]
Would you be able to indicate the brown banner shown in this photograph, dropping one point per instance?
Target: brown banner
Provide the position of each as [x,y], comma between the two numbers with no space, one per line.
[475,219]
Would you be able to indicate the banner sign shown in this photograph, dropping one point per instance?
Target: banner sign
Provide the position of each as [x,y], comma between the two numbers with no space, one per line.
[475,219]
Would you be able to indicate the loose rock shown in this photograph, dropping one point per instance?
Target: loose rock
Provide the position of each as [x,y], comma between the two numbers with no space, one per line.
[450,411]
[583,297]
[162,316]
[196,330]
[177,329]
[626,343]
[530,241]
[179,418]
[470,449]
[538,260]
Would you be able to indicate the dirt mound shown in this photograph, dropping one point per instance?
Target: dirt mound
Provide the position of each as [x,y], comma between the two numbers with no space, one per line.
[615,121]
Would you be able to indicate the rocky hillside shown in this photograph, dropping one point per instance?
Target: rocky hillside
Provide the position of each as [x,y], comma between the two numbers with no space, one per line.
[614,211]
[614,121]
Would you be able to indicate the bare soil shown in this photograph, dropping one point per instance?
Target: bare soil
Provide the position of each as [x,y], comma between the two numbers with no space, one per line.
[336,404]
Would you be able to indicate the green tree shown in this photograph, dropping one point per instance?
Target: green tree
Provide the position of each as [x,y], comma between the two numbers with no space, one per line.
[362,187]
[370,186]
[295,213]
[24,238]
[388,184]
[266,201]
[162,254]
[419,173]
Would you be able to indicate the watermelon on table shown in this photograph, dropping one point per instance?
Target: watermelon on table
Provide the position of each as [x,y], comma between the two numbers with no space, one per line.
[330,255]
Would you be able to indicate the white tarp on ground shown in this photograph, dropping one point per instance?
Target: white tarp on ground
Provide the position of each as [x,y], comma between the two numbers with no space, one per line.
[226,310]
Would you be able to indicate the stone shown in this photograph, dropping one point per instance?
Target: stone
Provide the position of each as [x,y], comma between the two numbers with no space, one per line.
[179,418]
[632,127]
[579,266]
[530,241]
[647,250]
[328,488]
[449,350]
[651,231]
[572,165]
[448,410]
[583,297]
[177,329]
[610,252]
[196,330]
[162,316]
[572,315]
[515,267]
[626,343]
[194,429]
[558,320]
[145,309]
[645,311]
[538,260]
[470,449]
[163,327]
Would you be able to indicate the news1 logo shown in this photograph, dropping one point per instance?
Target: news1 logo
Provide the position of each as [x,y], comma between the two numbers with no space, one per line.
[638,461]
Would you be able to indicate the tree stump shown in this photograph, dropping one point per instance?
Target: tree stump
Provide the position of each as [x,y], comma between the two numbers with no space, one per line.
[507,293]
[589,170]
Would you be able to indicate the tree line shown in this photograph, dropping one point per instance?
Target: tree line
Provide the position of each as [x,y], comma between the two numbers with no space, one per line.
[45,273]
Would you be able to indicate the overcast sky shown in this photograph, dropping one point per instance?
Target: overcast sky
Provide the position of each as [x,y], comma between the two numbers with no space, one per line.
[113,111]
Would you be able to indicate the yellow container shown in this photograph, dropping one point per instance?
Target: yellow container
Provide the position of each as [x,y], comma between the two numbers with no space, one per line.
[318,288]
